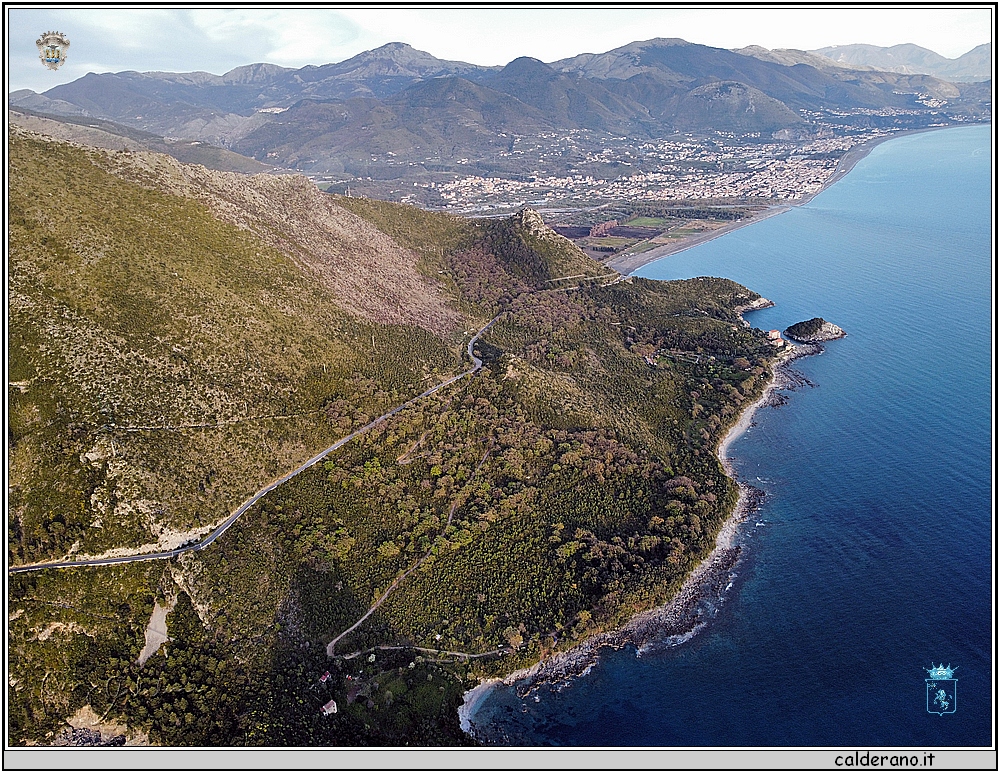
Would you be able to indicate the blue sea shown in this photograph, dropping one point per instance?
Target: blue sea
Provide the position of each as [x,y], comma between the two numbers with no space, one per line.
[870,558]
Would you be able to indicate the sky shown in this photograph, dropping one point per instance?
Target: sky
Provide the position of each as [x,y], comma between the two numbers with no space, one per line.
[218,39]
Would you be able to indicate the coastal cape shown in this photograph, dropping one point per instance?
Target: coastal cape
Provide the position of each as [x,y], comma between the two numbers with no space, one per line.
[483,519]
[684,615]
[814,331]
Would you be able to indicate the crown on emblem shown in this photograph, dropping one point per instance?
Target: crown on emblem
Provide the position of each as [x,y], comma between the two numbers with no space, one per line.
[941,671]
[45,36]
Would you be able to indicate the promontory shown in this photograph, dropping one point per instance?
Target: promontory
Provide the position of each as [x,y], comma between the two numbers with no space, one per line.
[814,331]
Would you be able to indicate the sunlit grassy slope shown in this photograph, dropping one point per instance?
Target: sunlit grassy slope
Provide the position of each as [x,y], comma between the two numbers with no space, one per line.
[166,364]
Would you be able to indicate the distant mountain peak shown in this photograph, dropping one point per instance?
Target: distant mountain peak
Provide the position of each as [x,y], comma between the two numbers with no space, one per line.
[526,65]
[375,70]
[793,56]
[656,43]
[528,61]
[395,46]
[254,73]
[909,58]
[404,54]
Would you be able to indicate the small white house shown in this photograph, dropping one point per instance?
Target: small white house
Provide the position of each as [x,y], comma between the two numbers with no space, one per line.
[330,708]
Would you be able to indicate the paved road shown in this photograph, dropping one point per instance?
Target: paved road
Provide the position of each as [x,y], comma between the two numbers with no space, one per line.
[221,529]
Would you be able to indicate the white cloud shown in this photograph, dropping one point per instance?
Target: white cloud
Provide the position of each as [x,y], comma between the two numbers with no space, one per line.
[317,37]
[295,37]
[136,30]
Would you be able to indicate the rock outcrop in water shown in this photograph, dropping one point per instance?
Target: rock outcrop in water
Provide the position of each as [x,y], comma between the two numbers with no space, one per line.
[814,331]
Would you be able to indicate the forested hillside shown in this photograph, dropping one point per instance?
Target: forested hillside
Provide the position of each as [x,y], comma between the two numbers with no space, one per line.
[176,342]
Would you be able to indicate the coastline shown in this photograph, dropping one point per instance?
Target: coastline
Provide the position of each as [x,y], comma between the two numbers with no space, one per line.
[683,616]
[628,264]
[680,618]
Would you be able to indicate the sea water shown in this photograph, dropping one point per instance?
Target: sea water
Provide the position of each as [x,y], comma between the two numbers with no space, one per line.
[869,560]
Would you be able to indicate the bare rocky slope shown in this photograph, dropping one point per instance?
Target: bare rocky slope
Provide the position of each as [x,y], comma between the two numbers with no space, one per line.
[367,272]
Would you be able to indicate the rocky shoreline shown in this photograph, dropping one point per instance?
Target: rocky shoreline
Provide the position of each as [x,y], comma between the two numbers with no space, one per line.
[694,605]
[814,331]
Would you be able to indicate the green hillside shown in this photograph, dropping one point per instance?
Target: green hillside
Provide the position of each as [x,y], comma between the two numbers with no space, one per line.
[165,364]
[153,347]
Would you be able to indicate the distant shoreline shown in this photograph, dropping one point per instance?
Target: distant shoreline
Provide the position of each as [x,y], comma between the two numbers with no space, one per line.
[628,264]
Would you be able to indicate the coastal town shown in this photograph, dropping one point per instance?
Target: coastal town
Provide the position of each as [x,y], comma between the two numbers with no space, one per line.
[722,167]
[580,168]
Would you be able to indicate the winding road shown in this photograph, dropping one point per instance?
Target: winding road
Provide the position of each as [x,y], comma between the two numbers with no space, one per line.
[396,647]
[221,529]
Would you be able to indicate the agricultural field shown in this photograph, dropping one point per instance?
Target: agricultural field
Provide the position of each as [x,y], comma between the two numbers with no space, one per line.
[639,228]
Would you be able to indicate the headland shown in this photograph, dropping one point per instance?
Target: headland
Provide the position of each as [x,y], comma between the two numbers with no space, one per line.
[686,613]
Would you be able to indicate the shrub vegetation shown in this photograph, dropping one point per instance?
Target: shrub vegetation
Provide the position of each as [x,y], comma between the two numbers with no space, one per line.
[164,365]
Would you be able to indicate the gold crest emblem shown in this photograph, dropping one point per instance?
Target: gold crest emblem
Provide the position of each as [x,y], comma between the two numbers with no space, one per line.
[52,47]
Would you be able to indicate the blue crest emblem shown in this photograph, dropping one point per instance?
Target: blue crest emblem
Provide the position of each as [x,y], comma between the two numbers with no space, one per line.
[52,47]
[942,689]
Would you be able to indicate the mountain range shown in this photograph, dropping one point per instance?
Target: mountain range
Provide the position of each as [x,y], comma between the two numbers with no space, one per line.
[396,106]
[974,65]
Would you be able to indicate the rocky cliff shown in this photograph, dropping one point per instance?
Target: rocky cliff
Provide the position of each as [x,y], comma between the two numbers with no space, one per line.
[814,331]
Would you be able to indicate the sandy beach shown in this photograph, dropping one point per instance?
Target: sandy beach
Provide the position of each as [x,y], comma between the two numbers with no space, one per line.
[683,616]
[626,264]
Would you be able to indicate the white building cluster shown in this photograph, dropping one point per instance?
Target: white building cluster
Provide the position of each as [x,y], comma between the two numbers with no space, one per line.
[670,169]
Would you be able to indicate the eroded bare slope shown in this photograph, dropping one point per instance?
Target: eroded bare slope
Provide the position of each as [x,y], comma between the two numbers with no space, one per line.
[366,270]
